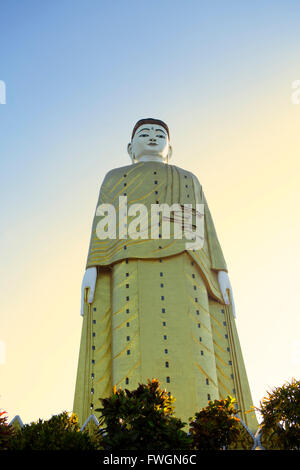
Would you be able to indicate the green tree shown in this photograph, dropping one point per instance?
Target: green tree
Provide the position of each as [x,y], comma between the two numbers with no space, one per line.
[141,419]
[216,426]
[6,431]
[60,432]
[280,410]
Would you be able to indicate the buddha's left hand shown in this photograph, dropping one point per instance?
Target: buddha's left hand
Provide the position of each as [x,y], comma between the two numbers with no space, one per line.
[225,286]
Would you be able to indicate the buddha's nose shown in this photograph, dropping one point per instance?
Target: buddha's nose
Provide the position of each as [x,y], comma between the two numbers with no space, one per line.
[153,139]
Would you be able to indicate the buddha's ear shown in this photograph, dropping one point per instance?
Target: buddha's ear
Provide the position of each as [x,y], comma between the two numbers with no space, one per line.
[129,150]
[170,151]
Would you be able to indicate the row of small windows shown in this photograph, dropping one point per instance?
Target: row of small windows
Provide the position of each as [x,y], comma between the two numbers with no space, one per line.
[125,247]
[163,310]
[166,365]
[166,351]
[168,380]
[161,275]
[165,338]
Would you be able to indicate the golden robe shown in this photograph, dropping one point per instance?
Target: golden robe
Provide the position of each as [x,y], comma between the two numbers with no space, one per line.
[158,311]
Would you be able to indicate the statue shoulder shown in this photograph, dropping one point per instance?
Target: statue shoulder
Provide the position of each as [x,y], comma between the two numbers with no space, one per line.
[188,174]
[114,175]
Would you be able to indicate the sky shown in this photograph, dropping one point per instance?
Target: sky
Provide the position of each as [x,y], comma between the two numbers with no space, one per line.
[78,76]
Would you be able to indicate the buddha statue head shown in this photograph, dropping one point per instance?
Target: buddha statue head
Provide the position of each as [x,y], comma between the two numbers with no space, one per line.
[150,141]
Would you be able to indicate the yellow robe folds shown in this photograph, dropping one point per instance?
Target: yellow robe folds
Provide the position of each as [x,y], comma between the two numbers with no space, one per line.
[158,310]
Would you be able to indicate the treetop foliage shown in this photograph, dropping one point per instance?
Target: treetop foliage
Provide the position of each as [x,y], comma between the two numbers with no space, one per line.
[280,410]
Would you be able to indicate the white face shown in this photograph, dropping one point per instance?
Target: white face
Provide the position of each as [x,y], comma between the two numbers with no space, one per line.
[150,140]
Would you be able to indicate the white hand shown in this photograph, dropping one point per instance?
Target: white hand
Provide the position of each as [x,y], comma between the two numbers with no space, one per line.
[88,282]
[225,285]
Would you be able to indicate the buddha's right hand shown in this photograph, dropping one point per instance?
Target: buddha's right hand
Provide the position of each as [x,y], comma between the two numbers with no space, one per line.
[88,282]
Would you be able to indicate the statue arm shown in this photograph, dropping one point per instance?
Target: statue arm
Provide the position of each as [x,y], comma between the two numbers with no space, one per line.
[88,286]
[225,287]
[217,258]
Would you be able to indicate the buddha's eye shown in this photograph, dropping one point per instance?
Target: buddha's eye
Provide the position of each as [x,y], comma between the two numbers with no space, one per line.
[144,135]
[161,136]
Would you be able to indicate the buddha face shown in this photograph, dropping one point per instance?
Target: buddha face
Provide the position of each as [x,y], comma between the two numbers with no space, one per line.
[150,140]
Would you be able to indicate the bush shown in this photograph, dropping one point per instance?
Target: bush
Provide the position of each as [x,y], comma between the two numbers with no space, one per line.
[280,411]
[141,419]
[60,432]
[215,427]
[6,432]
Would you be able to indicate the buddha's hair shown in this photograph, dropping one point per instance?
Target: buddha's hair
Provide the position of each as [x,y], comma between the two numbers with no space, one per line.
[150,121]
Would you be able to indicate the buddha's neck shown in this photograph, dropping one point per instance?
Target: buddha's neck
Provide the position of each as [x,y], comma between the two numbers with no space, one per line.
[151,158]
